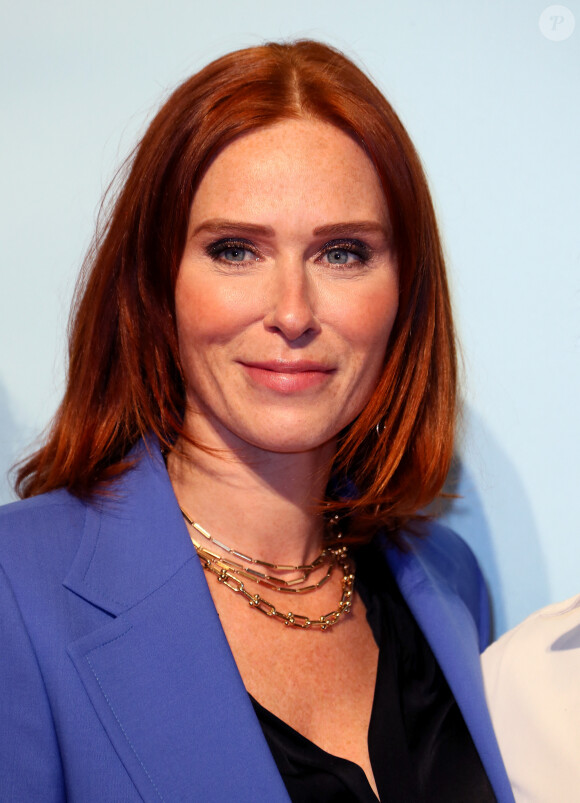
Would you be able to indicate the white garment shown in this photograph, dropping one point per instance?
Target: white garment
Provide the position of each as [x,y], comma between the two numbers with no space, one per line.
[532,682]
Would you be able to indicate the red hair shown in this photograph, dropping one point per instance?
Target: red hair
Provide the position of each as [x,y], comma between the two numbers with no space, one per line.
[124,373]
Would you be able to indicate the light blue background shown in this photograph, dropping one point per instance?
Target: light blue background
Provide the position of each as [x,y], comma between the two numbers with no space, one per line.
[492,106]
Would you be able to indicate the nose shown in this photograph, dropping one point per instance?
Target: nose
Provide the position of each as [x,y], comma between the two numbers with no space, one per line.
[293,300]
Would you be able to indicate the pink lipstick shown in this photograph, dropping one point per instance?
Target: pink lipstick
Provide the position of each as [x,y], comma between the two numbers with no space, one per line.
[288,376]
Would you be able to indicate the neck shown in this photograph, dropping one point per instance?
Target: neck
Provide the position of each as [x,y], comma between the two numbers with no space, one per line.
[262,504]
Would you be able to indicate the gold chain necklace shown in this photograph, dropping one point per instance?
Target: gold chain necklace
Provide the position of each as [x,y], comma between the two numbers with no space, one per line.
[225,571]
[274,583]
[305,568]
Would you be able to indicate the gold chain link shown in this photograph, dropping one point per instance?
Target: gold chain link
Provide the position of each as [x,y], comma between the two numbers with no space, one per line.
[290,619]
[328,556]
[274,583]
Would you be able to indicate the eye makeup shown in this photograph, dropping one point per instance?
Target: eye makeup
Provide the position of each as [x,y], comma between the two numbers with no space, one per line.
[352,246]
[235,245]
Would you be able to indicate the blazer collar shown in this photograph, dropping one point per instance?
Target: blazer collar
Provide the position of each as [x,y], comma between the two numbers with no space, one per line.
[134,538]
[160,674]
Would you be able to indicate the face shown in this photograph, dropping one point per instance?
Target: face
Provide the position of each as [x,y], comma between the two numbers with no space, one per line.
[287,290]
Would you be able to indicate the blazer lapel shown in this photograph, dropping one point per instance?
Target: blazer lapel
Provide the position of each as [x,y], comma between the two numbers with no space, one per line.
[159,671]
[450,630]
[160,674]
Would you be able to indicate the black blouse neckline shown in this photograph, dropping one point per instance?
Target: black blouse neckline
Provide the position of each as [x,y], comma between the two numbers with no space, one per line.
[419,746]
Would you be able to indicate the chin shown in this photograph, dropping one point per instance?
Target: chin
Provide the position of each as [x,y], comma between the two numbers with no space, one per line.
[290,439]
[288,431]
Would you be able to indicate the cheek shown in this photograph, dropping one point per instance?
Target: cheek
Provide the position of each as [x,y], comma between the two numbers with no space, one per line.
[208,314]
[369,325]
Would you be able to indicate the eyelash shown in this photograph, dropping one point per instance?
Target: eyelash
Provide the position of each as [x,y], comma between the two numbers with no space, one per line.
[356,247]
[215,250]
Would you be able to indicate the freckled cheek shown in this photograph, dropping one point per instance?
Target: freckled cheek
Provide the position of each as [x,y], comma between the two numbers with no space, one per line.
[368,329]
[207,315]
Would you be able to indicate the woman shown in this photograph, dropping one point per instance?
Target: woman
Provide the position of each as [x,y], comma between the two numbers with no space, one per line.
[263,340]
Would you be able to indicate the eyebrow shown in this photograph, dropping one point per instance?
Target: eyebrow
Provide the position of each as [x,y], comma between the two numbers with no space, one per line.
[219,226]
[363,226]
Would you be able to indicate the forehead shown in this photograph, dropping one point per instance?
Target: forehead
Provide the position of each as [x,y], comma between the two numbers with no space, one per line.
[295,165]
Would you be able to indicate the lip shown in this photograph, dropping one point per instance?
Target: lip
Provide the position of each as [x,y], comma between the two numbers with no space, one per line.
[288,376]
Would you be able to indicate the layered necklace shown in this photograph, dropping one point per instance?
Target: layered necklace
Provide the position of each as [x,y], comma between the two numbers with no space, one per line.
[234,570]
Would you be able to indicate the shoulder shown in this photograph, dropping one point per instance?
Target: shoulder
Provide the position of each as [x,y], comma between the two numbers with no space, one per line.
[434,557]
[55,503]
[442,547]
[47,512]
[40,535]
[444,557]
[534,646]
[531,684]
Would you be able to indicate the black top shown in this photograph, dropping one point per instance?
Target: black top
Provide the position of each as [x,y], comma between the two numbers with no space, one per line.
[419,746]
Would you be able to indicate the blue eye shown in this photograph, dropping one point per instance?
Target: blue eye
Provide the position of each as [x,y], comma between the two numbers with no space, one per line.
[338,256]
[346,252]
[232,251]
[234,254]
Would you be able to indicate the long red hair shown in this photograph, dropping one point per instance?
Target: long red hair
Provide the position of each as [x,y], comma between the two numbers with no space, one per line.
[124,373]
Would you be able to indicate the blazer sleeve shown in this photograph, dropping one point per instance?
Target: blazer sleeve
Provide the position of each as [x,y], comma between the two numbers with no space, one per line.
[30,765]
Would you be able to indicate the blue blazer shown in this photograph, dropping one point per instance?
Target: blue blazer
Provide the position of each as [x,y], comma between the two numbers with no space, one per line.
[116,680]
